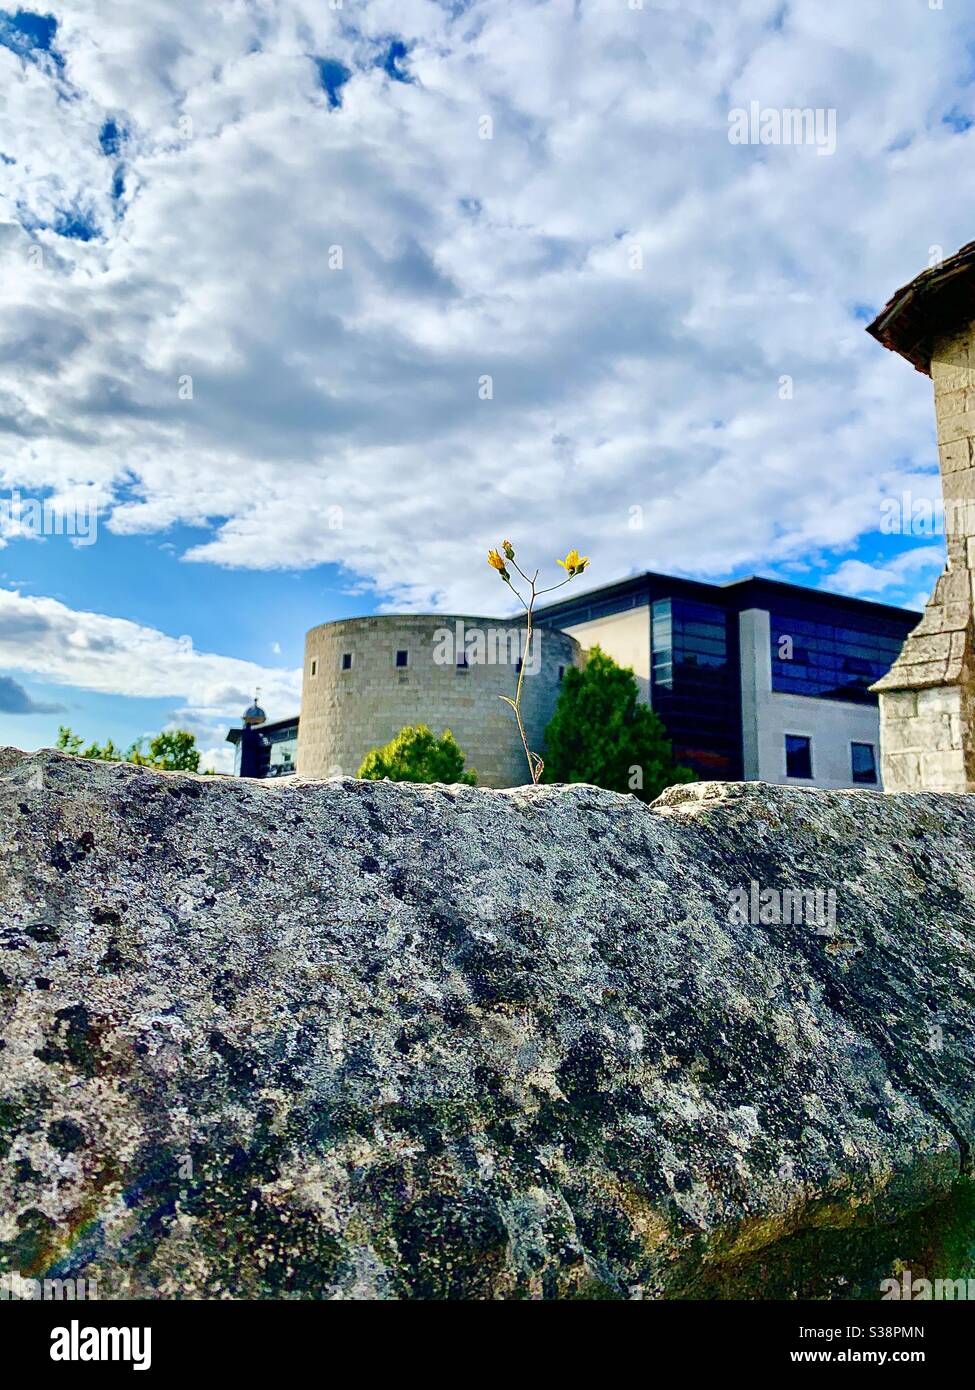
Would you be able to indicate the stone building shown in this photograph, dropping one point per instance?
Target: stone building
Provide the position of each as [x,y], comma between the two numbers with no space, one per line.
[927,699]
[366,678]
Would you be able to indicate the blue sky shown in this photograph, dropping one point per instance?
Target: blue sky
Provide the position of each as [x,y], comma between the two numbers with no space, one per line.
[257,262]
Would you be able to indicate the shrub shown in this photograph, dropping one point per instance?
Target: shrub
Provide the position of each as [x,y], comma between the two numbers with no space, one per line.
[415,755]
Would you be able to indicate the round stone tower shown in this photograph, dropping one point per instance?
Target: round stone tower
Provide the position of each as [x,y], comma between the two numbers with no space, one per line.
[366,678]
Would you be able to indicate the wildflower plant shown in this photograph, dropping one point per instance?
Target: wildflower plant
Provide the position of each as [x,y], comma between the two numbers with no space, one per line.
[573,564]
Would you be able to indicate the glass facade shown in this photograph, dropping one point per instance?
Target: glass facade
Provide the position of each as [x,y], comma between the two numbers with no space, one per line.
[276,749]
[282,750]
[833,661]
[694,684]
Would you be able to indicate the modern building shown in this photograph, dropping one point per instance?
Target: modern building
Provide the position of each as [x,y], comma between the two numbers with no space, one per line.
[262,749]
[755,680]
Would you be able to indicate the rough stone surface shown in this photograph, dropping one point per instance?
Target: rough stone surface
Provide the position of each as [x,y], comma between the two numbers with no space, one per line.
[357,1040]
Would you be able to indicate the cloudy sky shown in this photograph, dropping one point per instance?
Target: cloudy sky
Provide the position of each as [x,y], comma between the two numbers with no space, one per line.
[314,300]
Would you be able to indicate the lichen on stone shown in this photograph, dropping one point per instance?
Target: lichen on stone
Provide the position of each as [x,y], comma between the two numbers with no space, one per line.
[354,1040]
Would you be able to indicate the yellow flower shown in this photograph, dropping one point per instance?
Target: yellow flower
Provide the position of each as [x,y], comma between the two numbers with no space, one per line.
[508,549]
[572,563]
[496,562]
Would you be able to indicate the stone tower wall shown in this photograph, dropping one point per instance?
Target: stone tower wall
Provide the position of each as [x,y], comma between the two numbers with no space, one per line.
[345,713]
[927,698]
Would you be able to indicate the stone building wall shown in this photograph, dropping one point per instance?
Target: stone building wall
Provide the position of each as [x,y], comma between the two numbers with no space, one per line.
[927,697]
[345,713]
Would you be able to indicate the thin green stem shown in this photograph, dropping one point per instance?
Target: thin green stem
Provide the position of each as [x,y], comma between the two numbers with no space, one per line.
[552,587]
[533,758]
[515,591]
[535,763]
[528,643]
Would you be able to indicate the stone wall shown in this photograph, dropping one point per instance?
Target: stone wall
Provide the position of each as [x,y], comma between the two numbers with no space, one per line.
[923,739]
[927,697]
[356,1040]
[345,713]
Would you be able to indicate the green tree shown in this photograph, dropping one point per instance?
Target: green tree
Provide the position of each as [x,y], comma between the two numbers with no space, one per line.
[174,750]
[71,742]
[415,755]
[68,740]
[601,733]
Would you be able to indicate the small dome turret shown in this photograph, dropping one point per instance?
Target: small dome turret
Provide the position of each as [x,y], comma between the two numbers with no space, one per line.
[253,714]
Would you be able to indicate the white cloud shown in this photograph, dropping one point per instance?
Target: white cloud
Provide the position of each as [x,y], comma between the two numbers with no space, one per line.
[41,636]
[219,758]
[315,388]
[864,580]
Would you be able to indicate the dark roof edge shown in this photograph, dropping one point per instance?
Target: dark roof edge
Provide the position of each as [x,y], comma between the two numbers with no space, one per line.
[728,588]
[235,733]
[905,325]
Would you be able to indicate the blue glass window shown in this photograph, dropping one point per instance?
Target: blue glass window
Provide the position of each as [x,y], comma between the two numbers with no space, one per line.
[694,684]
[831,661]
[863,763]
[798,756]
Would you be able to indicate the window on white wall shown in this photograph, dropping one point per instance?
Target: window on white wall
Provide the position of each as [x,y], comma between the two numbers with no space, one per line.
[798,756]
[863,763]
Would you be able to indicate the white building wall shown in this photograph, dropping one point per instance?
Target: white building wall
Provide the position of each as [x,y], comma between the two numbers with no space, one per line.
[768,715]
[623,636]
